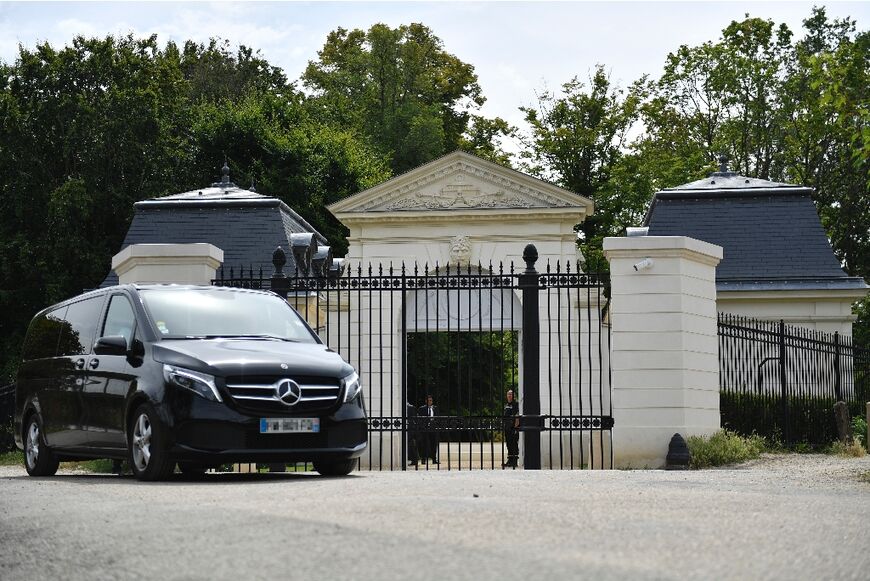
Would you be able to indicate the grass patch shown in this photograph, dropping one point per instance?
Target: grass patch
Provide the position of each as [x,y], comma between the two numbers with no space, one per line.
[16,458]
[864,476]
[101,466]
[723,448]
[853,450]
[13,458]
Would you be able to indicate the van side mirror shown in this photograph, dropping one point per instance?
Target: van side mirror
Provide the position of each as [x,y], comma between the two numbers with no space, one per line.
[111,345]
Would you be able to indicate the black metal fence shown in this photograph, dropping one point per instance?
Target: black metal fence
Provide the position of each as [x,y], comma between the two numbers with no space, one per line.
[781,381]
[464,335]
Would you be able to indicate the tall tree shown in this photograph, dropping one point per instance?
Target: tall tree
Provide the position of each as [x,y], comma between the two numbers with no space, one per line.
[272,142]
[787,110]
[399,88]
[214,71]
[91,128]
[577,140]
[84,133]
[723,97]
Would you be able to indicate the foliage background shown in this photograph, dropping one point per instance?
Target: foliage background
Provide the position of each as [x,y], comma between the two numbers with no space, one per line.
[88,129]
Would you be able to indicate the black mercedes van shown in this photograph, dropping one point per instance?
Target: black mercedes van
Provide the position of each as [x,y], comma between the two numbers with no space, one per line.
[191,375]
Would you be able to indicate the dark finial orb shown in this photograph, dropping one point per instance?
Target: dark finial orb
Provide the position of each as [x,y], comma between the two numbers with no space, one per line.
[253,187]
[279,259]
[530,256]
[723,163]
[225,172]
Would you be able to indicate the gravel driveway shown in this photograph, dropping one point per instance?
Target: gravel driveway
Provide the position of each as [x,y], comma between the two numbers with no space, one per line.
[781,517]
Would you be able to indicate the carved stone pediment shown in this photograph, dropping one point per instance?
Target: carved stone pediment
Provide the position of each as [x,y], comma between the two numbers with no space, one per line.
[460,182]
[462,188]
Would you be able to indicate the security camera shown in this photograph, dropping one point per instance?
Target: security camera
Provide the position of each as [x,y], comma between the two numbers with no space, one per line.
[644,264]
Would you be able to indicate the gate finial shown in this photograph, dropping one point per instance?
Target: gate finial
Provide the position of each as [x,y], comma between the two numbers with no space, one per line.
[530,256]
[279,259]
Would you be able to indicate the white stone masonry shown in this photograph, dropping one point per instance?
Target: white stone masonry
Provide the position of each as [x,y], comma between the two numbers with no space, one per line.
[665,348]
[170,263]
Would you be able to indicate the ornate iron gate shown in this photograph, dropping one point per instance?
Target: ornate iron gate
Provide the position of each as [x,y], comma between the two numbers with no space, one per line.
[464,335]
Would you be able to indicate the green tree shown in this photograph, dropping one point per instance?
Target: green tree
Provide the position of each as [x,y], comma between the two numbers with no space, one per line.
[400,89]
[577,140]
[467,373]
[723,97]
[85,132]
[484,138]
[271,141]
[89,129]
[214,71]
[787,110]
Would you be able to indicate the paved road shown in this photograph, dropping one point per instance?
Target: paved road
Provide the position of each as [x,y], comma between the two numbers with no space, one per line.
[791,517]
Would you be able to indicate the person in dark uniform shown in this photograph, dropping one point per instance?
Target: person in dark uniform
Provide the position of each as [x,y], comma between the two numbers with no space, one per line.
[430,436]
[510,425]
[411,415]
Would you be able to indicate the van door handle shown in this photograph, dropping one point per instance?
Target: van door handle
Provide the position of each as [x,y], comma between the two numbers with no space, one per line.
[80,363]
[94,363]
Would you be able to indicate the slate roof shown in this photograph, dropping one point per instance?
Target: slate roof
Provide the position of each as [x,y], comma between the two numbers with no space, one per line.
[246,225]
[771,234]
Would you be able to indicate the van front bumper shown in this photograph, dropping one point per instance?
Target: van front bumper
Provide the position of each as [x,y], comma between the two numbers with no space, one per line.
[214,433]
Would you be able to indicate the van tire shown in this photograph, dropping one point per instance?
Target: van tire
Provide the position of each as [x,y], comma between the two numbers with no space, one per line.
[335,467]
[146,439]
[38,458]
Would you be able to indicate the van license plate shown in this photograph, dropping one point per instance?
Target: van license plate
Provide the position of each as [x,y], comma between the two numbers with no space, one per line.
[289,425]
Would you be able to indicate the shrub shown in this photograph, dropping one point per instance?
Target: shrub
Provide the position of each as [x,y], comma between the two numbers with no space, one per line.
[810,425]
[859,430]
[855,449]
[724,447]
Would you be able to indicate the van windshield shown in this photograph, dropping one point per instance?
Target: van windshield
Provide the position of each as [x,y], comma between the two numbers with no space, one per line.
[217,313]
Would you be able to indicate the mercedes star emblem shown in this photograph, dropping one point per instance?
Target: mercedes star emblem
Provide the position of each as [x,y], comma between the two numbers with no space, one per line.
[289,392]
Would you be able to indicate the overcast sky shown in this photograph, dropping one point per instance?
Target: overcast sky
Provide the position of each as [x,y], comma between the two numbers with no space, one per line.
[515,47]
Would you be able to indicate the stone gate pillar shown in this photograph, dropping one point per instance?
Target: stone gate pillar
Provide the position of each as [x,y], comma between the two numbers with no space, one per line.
[170,263]
[665,357]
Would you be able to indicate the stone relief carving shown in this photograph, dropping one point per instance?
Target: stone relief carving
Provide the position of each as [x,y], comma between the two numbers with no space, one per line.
[460,251]
[459,194]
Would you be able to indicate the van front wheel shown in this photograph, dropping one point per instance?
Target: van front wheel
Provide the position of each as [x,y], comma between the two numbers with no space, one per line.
[145,436]
[38,459]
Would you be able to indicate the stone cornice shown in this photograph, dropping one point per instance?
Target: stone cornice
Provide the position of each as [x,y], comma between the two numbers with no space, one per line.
[402,237]
[835,295]
[663,247]
[574,215]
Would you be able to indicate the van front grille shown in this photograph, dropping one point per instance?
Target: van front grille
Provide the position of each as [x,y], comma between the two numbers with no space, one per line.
[259,394]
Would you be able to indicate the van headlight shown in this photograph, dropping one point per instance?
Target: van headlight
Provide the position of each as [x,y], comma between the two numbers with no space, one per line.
[352,386]
[202,384]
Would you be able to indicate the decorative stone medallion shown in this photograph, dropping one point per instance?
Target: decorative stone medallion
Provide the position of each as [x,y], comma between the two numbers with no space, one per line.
[460,251]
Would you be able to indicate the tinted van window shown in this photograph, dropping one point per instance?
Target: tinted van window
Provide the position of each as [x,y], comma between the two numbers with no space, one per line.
[43,335]
[120,319]
[81,318]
